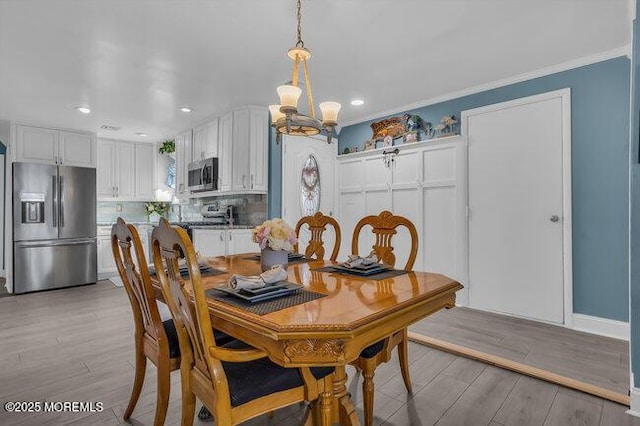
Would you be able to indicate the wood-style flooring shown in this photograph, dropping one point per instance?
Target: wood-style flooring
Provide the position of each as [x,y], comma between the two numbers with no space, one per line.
[596,360]
[77,345]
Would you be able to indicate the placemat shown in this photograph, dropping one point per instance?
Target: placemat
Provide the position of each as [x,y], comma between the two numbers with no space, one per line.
[376,277]
[291,262]
[204,272]
[262,308]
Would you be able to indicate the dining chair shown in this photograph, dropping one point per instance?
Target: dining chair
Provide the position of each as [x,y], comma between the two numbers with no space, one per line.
[317,225]
[234,381]
[155,339]
[384,226]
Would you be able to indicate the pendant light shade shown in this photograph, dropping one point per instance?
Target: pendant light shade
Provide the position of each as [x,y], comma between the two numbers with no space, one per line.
[330,111]
[276,114]
[289,96]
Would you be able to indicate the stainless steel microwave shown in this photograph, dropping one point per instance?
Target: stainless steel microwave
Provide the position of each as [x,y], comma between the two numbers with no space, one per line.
[203,175]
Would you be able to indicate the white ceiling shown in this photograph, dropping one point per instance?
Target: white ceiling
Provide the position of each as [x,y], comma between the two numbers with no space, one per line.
[134,62]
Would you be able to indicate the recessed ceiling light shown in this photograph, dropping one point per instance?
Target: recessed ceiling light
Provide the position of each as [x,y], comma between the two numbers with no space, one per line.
[83,109]
[142,135]
[357,102]
[186,109]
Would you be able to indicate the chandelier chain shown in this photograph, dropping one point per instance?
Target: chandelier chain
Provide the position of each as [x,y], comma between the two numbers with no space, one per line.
[300,43]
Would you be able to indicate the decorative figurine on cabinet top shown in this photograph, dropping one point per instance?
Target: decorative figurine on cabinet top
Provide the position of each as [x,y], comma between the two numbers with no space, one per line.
[448,126]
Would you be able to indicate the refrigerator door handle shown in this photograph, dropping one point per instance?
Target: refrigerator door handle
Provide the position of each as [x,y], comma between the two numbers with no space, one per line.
[61,203]
[56,244]
[54,200]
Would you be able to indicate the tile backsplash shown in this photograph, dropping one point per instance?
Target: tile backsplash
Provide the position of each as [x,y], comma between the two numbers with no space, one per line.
[251,210]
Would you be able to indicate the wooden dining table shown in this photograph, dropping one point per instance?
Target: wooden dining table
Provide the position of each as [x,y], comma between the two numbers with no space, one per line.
[331,330]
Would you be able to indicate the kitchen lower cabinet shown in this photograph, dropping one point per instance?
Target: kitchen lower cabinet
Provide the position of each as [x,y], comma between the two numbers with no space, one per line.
[210,242]
[222,242]
[106,262]
[240,241]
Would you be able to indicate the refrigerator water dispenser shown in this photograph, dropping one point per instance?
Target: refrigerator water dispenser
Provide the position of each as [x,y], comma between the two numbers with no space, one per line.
[32,207]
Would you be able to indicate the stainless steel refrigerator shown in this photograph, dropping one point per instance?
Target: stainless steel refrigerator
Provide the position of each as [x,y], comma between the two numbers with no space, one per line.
[54,226]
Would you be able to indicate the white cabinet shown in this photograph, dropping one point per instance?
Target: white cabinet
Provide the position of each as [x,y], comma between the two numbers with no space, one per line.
[240,150]
[144,171]
[225,162]
[126,170]
[258,149]
[183,158]
[106,262]
[210,242]
[50,146]
[240,241]
[205,140]
[250,137]
[221,242]
[425,184]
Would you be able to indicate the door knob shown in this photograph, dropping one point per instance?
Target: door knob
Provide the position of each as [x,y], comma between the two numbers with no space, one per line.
[554,218]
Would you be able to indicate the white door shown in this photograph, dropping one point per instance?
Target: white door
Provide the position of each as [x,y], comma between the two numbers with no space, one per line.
[240,150]
[296,151]
[210,242]
[240,242]
[518,206]
[199,141]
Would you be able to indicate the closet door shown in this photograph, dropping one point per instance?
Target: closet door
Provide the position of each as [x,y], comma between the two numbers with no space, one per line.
[516,207]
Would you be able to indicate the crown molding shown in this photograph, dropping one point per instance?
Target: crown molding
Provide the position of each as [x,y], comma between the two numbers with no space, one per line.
[576,63]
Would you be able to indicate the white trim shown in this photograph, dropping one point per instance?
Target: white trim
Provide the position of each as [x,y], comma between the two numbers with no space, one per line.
[565,95]
[601,326]
[576,63]
[634,410]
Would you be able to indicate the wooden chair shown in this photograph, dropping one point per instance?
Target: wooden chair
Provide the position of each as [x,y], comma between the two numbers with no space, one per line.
[155,339]
[317,225]
[384,228]
[234,381]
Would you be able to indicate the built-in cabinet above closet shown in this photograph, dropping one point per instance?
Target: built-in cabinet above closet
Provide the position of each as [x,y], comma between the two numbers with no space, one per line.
[51,146]
[126,171]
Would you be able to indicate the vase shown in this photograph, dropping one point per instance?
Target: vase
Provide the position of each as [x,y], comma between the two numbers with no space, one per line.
[270,258]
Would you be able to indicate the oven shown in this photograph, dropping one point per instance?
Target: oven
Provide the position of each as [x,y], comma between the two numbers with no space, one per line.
[203,175]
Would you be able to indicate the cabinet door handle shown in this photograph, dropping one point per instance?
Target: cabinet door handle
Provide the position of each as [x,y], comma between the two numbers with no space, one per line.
[229,236]
[221,237]
[113,191]
[244,177]
[251,181]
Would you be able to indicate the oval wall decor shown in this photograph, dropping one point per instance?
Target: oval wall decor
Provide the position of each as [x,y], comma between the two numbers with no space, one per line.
[310,187]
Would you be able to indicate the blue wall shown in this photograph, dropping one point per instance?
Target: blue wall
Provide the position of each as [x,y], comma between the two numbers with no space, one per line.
[600,139]
[634,232]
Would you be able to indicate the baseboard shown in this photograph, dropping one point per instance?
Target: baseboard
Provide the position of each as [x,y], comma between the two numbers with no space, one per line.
[634,409]
[603,327]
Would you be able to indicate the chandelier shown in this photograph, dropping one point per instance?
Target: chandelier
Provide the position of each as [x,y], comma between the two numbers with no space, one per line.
[285,117]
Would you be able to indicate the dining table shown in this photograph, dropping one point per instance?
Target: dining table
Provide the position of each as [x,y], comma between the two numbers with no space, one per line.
[334,316]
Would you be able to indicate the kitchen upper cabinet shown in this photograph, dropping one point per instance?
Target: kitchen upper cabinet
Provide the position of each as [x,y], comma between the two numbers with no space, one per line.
[183,158]
[240,150]
[225,158]
[144,171]
[50,146]
[250,137]
[125,171]
[77,149]
[258,145]
[205,140]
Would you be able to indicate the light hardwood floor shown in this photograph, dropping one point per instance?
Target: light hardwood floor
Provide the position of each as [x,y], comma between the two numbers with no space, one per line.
[77,345]
[586,357]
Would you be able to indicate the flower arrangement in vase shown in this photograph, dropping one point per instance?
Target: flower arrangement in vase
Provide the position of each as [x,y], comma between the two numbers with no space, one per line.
[276,240]
[158,207]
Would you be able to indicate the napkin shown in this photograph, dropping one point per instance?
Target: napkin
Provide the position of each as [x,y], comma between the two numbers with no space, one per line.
[355,260]
[273,275]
